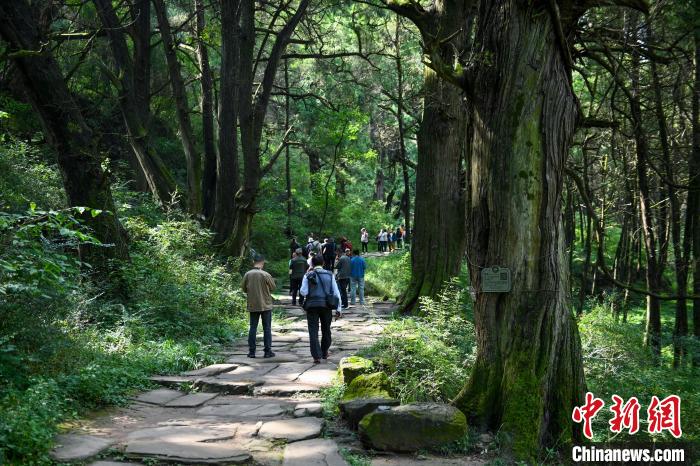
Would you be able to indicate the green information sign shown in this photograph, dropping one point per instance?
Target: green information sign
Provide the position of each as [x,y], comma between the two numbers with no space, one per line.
[495,280]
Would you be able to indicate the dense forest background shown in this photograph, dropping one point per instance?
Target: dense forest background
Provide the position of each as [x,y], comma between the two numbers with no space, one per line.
[147,146]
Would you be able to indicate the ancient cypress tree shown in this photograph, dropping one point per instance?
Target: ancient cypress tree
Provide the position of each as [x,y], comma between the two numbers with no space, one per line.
[515,73]
[438,236]
[85,182]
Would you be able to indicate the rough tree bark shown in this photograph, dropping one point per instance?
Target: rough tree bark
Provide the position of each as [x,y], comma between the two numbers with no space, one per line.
[227,176]
[528,373]
[438,238]
[85,182]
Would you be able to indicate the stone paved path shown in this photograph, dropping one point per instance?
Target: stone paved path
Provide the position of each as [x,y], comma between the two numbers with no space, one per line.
[244,411]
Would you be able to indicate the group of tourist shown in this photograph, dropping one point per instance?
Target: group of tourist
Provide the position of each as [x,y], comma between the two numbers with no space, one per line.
[388,239]
[325,276]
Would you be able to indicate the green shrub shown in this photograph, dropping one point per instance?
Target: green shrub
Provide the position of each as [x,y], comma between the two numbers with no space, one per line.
[28,420]
[428,357]
[68,344]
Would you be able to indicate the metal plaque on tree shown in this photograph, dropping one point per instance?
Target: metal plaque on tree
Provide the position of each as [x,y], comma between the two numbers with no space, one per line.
[495,280]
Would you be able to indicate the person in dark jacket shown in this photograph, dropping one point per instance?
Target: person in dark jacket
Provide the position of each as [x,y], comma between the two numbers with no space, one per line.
[316,285]
[293,246]
[328,253]
[342,265]
[297,269]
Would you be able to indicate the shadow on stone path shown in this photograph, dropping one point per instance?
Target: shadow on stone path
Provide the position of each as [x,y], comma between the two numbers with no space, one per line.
[244,411]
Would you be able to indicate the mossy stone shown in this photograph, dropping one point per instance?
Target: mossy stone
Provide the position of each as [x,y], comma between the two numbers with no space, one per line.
[375,385]
[352,366]
[413,427]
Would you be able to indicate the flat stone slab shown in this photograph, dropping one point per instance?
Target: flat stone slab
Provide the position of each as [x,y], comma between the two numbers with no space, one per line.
[243,410]
[292,430]
[284,338]
[78,447]
[318,376]
[214,369]
[316,452]
[160,396]
[184,432]
[171,380]
[280,357]
[192,400]
[286,389]
[188,452]
[251,372]
[230,387]
[308,409]
[288,372]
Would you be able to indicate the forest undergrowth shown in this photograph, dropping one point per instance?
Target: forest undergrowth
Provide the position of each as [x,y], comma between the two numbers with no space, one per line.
[68,343]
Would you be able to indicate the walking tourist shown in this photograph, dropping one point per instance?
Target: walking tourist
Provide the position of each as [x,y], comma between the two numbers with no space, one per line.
[258,286]
[343,265]
[328,253]
[357,277]
[322,298]
[297,269]
[293,246]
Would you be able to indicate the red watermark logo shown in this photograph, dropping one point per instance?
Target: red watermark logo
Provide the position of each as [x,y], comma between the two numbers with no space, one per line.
[661,415]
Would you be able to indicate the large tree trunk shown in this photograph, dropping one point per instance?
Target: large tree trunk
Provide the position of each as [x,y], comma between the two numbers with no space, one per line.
[207,108]
[439,228]
[528,373]
[182,109]
[227,177]
[85,182]
[141,33]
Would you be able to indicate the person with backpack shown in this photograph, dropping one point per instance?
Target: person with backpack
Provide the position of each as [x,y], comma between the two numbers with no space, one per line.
[309,246]
[297,269]
[322,297]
